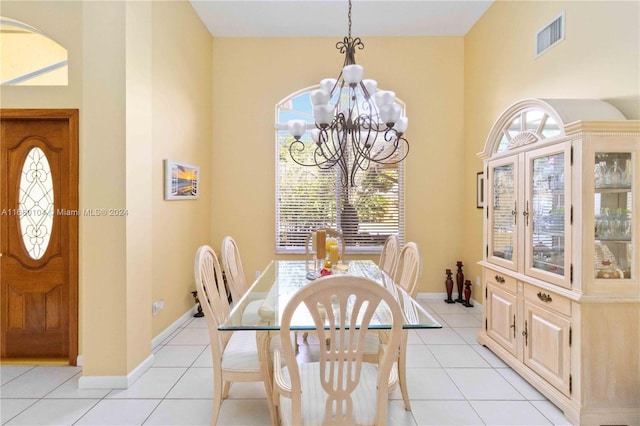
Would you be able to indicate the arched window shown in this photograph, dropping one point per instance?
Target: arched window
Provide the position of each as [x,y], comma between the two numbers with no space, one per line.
[308,197]
[29,58]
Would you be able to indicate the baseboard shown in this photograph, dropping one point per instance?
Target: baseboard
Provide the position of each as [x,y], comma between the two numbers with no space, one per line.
[123,382]
[156,341]
[431,296]
[79,361]
[440,296]
[116,382]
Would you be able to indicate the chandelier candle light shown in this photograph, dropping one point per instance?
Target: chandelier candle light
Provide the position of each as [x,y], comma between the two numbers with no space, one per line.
[364,125]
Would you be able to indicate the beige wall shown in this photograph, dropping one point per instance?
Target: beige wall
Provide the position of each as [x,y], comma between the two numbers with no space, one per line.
[599,58]
[251,75]
[140,73]
[181,81]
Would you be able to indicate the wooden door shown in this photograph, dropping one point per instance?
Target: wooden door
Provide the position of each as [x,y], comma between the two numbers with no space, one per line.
[39,234]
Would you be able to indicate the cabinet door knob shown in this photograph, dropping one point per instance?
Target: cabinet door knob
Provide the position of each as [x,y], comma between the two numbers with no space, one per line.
[525,213]
[499,279]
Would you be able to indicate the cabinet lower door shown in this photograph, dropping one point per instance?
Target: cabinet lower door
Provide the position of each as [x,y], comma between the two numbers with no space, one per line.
[501,317]
[546,349]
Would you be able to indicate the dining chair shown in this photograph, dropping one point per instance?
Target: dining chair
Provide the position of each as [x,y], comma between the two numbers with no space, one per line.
[408,268]
[340,388]
[407,272]
[389,254]
[235,354]
[238,285]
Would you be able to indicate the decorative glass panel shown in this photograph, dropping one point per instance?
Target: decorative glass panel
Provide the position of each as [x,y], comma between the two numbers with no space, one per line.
[547,213]
[504,207]
[533,120]
[528,126]
[35,206]
[613,215]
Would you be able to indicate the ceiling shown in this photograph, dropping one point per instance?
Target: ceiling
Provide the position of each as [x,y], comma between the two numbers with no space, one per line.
[328,18]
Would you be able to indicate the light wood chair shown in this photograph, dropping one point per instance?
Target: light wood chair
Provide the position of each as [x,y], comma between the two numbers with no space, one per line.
[235,354]
[238,285]
[389,255]
[339,389]
[407,272]
[409,268]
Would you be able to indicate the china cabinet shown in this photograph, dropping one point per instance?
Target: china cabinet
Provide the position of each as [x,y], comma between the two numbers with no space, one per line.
[561,255]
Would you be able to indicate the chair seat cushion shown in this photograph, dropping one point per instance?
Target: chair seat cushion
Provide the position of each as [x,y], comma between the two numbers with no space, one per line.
[241,352]
[250,314]
[314,397]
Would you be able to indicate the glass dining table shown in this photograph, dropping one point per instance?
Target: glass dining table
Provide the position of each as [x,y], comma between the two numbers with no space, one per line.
[260,308]
[281,279]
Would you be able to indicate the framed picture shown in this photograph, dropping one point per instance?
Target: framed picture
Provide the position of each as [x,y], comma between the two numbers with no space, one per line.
[480,190]
[181,181]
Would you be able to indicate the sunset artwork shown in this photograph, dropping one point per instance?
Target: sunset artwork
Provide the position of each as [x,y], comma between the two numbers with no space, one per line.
[181,181]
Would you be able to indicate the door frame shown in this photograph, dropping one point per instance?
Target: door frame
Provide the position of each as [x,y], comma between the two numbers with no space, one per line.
[72,117]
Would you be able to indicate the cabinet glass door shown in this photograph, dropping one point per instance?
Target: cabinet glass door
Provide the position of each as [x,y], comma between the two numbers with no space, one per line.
[502,200]
[613,215]
[547,213]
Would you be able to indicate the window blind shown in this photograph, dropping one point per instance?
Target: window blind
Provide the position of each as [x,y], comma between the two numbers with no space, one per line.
[308,198]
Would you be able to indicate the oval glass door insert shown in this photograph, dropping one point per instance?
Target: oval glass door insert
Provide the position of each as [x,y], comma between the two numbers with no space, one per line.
[35,206]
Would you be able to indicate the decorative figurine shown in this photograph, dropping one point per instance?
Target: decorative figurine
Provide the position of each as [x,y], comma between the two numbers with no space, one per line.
[198,314]
[467,294]
[459,282]
[449,284]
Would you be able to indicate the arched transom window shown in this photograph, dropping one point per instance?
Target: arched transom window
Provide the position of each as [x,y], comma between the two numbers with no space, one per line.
[30,58]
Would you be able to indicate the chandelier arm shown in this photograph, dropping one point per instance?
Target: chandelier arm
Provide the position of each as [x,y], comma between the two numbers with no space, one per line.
[298,146]
[361,150]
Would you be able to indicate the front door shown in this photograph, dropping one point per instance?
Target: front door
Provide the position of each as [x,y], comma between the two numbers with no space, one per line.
[39,234]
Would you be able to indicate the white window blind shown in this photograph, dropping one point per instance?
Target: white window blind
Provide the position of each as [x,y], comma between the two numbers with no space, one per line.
[308,198]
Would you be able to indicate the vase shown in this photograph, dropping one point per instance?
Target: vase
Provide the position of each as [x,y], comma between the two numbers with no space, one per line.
[467,294]
[449,285]
[459,282]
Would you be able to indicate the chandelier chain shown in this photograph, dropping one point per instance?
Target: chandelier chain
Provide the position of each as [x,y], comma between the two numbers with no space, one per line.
[349,18]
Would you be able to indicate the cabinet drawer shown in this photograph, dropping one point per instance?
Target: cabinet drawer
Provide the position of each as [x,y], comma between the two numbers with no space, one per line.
[500,280]
[548,299]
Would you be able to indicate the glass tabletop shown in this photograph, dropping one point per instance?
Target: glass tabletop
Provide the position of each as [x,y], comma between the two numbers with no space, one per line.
[271,291]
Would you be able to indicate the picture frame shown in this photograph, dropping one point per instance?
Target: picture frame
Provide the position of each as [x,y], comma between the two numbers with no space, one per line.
[181,181]
[480,190]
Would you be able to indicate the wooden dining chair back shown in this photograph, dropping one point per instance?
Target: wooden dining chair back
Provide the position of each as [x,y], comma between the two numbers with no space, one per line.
[212,295]
[340,388]
[232,266]
[389,254]
[238,285]
[331,233]
[234,354]
[409,268]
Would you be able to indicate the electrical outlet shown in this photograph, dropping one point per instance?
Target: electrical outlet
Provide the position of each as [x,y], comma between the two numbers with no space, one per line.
[477,280]
[257,274]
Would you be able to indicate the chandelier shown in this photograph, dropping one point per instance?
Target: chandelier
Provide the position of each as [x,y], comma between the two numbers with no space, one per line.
[355,124]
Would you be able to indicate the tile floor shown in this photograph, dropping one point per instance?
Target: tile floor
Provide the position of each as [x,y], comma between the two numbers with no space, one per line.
[452,381]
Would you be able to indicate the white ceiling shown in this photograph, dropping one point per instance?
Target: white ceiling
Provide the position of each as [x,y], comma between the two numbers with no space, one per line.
[328,18]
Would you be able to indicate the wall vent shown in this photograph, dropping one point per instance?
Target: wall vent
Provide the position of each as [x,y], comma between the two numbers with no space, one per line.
[550,35]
